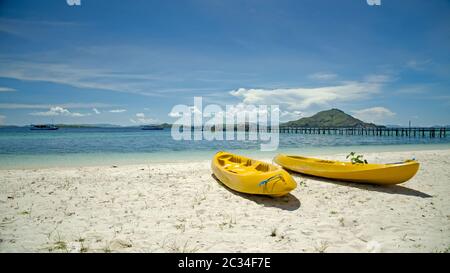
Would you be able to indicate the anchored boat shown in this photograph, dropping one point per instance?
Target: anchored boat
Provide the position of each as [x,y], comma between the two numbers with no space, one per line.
[43,127]
[152,127]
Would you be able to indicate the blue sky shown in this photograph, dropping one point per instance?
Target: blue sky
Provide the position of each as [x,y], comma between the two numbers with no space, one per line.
[130,62]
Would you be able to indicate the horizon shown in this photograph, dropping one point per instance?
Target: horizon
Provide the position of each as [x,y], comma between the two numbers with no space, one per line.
[165,123]
[128,64]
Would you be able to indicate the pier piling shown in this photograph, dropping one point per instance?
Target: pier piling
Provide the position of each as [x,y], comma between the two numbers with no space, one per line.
[430,132]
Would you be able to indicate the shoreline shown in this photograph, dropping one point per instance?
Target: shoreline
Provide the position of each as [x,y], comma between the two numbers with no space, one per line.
[179,207]
[26,162]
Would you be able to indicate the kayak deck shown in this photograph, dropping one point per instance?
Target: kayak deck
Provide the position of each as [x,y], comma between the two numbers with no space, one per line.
[251,176]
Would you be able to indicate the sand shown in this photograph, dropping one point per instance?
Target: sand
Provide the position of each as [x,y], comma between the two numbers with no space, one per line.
[179,207]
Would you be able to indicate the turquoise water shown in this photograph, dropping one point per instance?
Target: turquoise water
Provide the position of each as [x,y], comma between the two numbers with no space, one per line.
[23,148]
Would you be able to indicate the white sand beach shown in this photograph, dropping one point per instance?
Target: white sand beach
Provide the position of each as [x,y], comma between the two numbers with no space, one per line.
[180,207]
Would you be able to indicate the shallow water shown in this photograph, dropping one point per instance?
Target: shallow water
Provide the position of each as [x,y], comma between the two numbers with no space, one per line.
[23,148]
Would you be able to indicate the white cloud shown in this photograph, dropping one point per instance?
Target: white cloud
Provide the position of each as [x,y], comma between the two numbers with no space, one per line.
[54,111]
[78,115]
[175,115]
[230,112]
[378,78]
[418,65]
[303,98]
[30,28]
[2,119]
[323,76]
[127,72]
[290,115]
[374,114]
[243,109]
[96,111]
[142,119]
[80,77]
[192,110]
[59,111]
[131,69]
[254,110]
[83,76]
[7,89]
[117,110]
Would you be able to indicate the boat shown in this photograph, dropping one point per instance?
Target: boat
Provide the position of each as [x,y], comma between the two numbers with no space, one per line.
[152,127]
[381,174]
[43,127]
[251,176]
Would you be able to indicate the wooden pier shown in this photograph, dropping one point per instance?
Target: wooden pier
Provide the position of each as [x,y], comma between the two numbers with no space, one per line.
[395,132]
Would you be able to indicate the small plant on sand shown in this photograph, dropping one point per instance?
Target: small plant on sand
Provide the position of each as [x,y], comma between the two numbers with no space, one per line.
[273,233]
[173,246]
[59,245]
[187,249]
[181,227]
[230,223]
[83,248]
[404,237]
[356,159]
[149,172]
[321,247]
[447,250]
[176,248]
[280,235]
[198,199]
[106,249]
[302,183]
[27,212]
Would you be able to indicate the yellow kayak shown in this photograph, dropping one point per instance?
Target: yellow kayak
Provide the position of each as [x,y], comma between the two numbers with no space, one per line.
[383,174]
[251,176]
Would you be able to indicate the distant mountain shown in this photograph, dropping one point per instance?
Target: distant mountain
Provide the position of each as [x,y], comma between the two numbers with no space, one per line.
[333,118]
[87,125]
[165,125]
[440,126]
[105,125]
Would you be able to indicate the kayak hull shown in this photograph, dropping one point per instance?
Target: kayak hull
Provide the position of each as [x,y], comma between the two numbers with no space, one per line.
[251,176]
[381,174]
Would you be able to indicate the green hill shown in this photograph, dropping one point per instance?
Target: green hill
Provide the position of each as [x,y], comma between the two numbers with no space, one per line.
[333,118]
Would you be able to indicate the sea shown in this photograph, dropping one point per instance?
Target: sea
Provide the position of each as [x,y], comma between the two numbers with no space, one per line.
[21,147]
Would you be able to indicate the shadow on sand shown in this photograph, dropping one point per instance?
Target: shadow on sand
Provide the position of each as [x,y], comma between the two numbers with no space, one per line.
[390,189]
[287,202]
